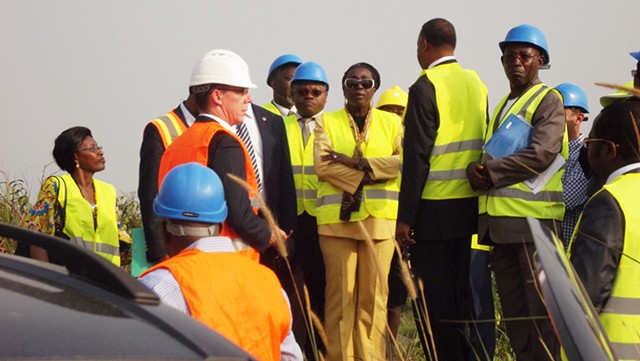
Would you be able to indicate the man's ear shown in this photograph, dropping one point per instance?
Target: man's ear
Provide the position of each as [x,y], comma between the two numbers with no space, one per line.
[610,151]
[424,44]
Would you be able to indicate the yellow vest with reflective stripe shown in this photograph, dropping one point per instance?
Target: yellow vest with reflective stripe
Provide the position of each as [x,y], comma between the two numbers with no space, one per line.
[517,200]
[620,316]
[379,200]
[304,174]
[79,218]
[462,107]
[272,108]
[169,126]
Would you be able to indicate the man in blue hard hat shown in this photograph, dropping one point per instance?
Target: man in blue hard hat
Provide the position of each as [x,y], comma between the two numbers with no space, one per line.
[575,178]
[279,79]
[510,195]
[206,276]
[309,88]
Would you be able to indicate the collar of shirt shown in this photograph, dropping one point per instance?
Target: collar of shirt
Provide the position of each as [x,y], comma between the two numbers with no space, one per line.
[284,111]
[188,117]
[222,122]
[213,244]
[441,60]
[620,171]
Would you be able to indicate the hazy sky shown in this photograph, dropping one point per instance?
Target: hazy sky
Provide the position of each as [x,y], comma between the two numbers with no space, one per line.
[115,65]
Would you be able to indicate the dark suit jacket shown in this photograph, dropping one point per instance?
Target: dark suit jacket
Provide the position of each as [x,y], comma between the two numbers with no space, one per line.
[151,152]
[278,175]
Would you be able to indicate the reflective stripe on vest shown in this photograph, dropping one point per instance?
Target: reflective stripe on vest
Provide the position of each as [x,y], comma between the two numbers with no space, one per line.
[193,146]
[461,100]
[304,173]
[620,316]
[517,200]
[239,299]
[169,126]
[379,200]
[79,224]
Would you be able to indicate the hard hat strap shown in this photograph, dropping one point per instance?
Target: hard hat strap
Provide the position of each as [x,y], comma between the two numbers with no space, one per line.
[182,230]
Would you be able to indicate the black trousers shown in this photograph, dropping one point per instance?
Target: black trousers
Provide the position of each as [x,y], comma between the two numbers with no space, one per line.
[512,264]
[309,256]
[443,267]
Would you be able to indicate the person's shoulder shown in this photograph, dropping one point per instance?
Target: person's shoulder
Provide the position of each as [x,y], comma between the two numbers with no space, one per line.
[264,114]
[105,185]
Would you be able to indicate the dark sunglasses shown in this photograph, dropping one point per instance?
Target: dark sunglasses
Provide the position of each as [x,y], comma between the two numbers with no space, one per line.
[353,83]
[314,92]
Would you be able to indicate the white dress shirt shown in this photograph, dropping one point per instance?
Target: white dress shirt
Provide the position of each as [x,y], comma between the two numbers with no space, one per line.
[256,140]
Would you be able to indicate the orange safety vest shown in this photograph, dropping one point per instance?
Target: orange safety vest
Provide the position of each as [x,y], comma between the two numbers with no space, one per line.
[169,127]
[240,299]
[193,146]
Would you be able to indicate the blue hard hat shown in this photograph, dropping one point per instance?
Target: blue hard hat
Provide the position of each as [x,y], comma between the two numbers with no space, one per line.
[310,71]
[283,60]
[636,55]
[191,192]
[573,96]
[527,34]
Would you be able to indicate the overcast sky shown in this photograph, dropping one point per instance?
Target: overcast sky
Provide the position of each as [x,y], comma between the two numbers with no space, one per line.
[115,65]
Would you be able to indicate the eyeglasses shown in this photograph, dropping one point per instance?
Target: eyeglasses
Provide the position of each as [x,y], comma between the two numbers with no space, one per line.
[522,57]
[314,92]
[353,83]
[586,142]
[92,149]
[634,73]
[242,91]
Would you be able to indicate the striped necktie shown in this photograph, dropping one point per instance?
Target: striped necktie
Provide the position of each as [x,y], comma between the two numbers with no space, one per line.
[243,134]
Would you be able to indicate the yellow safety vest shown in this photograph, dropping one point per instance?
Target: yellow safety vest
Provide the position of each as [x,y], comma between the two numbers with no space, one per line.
[461,131]
[517,200]
[79,221]
[379,200]
[304,173]
[620,316]
[169,126]
[272,108]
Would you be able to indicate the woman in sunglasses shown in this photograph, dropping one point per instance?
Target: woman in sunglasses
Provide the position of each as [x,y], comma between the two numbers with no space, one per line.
[75,205]
[357,160]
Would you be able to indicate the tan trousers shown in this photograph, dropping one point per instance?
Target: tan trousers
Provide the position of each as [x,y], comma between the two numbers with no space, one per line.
[356,297]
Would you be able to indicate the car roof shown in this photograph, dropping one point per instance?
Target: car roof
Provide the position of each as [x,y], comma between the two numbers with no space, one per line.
[53,312]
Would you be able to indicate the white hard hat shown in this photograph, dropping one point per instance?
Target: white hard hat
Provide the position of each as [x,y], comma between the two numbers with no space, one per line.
[221,66]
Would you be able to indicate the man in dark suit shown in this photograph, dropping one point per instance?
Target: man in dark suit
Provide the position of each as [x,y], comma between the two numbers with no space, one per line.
[443,134]
[266,133]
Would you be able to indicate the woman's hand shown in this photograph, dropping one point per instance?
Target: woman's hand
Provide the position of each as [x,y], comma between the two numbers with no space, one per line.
[334,157]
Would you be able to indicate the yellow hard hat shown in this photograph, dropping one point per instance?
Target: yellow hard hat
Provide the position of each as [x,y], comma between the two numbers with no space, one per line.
[618,95]
[393,96]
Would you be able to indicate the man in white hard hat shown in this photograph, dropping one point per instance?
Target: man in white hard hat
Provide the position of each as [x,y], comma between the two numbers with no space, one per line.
[220,82]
